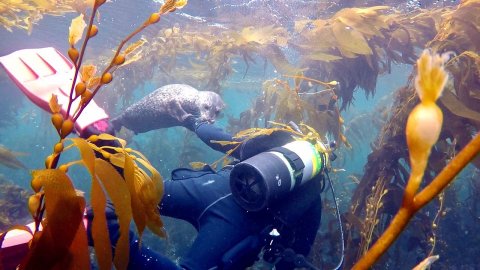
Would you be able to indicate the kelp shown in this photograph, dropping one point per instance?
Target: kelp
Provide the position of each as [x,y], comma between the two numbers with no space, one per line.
[23,14]
[388,159]
[57,207]
[301,131]
[283,103]
[362,44]
[12,203]
[9,158]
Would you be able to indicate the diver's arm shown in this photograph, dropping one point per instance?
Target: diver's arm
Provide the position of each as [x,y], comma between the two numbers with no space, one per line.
[209,133]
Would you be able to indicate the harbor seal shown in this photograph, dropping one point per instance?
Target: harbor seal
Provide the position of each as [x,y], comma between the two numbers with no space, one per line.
[169,106]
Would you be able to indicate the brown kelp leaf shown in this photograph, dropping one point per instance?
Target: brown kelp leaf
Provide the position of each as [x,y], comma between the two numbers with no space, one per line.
[169,5]
[137,208]
[320,56]
[455,106]
[54,107]
[76,30]
[118,192]
[279,61]
[350,40]
[63,241]
[87,72]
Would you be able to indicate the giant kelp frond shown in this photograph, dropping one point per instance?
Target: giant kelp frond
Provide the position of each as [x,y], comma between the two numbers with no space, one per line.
[284,103]
[56,205]
[363,42]
[460,111]
[422,132]
[23,14]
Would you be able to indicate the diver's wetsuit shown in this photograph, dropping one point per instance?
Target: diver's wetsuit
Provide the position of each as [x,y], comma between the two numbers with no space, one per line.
[203,198]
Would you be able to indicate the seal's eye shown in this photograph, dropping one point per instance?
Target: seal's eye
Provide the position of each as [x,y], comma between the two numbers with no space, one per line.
[207,106]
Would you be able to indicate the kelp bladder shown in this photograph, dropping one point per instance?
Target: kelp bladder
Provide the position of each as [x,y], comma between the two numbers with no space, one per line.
[57,207]
[389,159]
[430,81]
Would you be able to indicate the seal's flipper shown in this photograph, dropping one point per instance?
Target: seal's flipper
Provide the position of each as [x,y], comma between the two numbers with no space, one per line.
[177,112]
[39,73]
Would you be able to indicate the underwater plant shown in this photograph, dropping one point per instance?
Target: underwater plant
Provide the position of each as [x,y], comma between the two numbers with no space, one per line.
[12,203]
[23,14]
[389,160]
[57,206]
[423,129]
[283,103]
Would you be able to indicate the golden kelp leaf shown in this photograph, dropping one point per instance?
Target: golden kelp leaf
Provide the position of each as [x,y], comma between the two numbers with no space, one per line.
[63,229]
[133,58]
[109,137]
[196,165]
[366,20]
[350,40]
[180,3]
[87,72]
[301,24]
[139,216]
[54,107]
[101,239]
[225,143]
[76,30]
[167,6]
[93,82]
[260,35]
[156,179]
[134,46]
[99,201]
[118,192]
[87,154]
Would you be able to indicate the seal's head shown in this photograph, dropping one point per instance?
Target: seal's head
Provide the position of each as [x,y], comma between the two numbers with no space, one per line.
[210,105]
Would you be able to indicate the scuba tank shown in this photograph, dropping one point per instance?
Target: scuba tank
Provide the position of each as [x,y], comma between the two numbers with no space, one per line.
[259,181]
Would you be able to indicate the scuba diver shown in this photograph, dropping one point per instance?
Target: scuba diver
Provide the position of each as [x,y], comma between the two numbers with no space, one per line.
[266,206]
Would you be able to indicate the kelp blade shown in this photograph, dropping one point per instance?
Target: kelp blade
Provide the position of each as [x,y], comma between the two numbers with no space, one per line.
[63,242]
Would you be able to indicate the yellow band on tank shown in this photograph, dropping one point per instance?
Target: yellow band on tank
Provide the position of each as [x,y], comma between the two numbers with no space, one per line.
[316,161]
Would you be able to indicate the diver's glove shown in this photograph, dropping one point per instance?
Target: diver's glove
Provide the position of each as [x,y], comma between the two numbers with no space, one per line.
[192,122]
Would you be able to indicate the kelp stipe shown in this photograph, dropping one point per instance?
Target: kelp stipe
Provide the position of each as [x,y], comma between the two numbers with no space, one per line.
[57,207]
[430,81]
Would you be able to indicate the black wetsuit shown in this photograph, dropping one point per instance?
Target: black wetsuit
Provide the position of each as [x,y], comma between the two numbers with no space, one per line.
[229,237]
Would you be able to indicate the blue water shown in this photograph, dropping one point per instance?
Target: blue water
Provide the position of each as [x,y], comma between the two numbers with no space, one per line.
[30,130]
